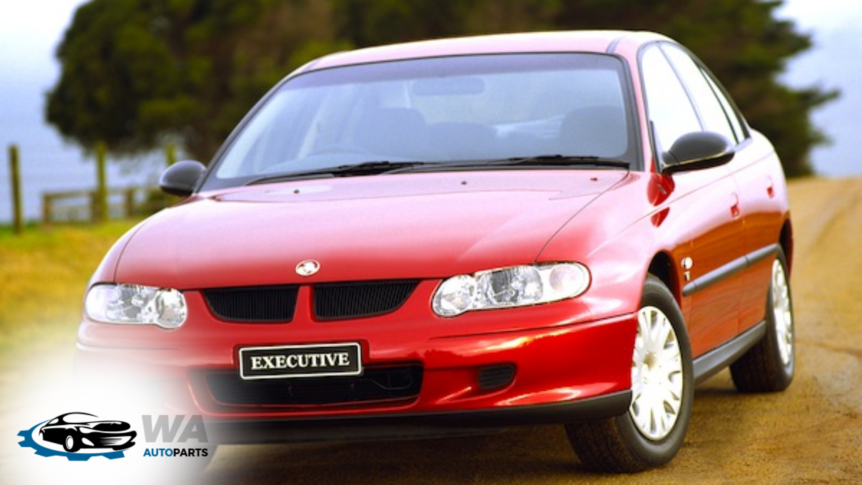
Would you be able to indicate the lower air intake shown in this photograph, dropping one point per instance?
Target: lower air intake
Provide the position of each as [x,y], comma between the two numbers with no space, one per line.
[496,376]
[381,384]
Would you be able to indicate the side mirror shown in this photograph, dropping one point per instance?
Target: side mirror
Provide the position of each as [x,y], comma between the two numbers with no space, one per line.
[697,151]
[181,178]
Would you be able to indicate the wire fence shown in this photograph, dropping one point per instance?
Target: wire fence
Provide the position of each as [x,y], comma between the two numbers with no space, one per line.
[64,200]
[84,205]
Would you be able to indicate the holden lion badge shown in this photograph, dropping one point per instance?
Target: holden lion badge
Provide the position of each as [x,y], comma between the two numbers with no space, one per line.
[307,267]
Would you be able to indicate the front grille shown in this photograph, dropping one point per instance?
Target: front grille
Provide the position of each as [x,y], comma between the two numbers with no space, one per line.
[269,304]
[335,301]
[381,384]
[332,301]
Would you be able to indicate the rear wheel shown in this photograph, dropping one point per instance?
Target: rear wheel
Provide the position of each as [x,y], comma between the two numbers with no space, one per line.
[769,365]
[652,431]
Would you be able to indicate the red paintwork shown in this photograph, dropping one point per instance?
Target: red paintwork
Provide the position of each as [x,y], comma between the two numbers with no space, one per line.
[451,351]
[383,217]
[434,225]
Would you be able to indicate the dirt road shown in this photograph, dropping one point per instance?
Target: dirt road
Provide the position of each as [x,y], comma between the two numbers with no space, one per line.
[812,433]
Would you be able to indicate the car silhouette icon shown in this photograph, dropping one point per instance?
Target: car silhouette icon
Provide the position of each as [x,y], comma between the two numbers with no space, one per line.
[80,430]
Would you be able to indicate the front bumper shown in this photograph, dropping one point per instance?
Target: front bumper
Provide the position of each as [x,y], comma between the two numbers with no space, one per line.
[566,368]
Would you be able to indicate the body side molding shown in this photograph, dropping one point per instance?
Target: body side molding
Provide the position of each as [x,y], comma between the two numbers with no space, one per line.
[729,269]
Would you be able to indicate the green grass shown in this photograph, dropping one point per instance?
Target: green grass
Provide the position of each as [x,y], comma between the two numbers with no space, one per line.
[43,275]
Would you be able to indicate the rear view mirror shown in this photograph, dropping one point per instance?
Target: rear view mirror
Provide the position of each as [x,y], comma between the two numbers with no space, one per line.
[181,178]
[697,151]
[448,86]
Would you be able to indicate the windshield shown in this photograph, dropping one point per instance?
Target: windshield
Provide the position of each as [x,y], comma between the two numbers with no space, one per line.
[436,110]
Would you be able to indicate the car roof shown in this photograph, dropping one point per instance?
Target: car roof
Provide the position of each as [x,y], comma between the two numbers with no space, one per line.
[562,41]
[62,417]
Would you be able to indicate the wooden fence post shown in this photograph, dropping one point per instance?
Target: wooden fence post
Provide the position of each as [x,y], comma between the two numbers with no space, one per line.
[129,202]
[15,178]
[47,208]
[101,202]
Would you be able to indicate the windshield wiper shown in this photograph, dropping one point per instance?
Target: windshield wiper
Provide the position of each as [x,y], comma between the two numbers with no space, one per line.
[557,159]
[534,161]
[375,167]
[365,168]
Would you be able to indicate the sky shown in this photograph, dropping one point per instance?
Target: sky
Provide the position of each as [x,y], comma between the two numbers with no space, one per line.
[835,61]
[31,29]
[29,32]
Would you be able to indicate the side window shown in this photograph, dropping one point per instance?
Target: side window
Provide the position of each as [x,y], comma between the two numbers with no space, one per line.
[712,113]
[732,114]
[669,108]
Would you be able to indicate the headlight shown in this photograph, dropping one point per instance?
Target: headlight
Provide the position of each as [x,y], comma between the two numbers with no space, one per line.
[136,304]
[510,287]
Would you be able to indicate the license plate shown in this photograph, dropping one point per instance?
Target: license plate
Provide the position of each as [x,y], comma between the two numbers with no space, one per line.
[290,361]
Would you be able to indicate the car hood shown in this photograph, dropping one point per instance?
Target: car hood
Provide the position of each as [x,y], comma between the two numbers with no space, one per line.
[359,228]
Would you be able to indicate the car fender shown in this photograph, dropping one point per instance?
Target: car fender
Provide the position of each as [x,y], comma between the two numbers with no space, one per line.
[617,237]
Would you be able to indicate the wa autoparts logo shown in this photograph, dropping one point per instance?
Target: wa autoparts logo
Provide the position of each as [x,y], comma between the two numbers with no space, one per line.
[165,431]
[79,437]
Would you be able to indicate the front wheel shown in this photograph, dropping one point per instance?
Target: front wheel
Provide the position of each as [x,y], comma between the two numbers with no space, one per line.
[651,433]
[71,444]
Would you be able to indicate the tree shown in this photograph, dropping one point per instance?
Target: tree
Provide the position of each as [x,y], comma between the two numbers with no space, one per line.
[744,45]
[138,71]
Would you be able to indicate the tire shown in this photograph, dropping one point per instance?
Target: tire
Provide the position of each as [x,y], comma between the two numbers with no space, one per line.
[71,443]
[769,366]
[630,442]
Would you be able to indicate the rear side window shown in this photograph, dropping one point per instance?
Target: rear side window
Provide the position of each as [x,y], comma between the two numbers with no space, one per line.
[733,114]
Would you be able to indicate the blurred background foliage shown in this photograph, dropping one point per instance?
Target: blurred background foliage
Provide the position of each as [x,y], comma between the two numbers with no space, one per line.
[137,73]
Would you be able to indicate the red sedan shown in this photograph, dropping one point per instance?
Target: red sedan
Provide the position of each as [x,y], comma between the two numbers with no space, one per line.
[456,235]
